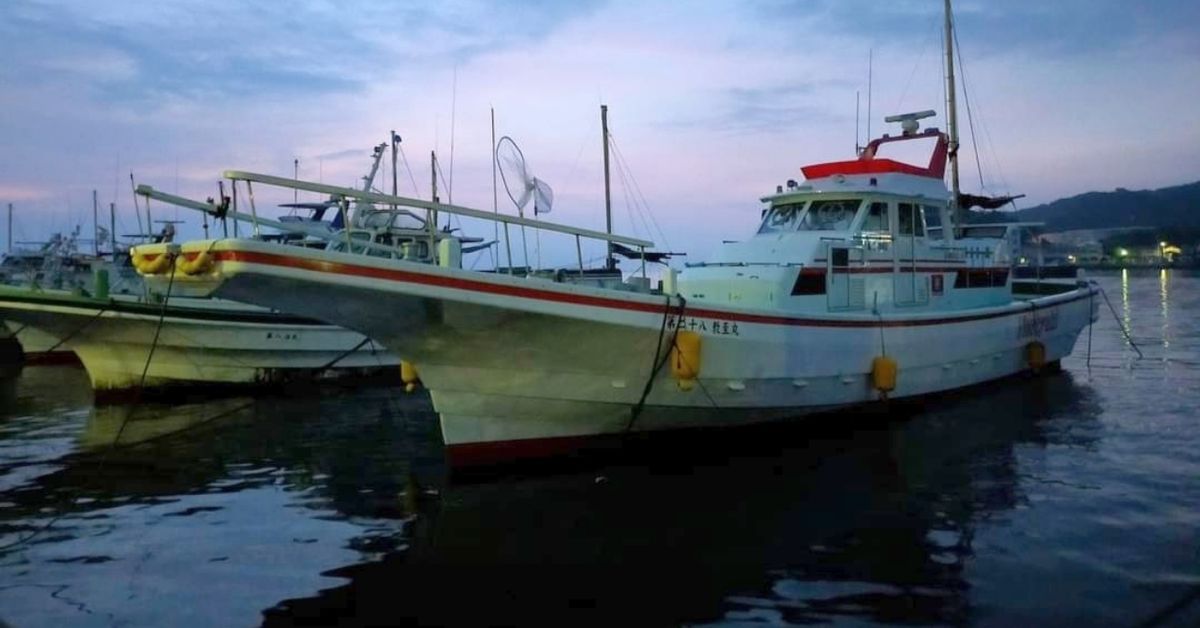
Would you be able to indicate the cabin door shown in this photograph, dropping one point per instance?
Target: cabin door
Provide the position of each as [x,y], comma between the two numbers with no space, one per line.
[909,285]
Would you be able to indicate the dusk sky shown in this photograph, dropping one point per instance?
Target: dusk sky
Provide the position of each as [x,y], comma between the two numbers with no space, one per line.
[711,103]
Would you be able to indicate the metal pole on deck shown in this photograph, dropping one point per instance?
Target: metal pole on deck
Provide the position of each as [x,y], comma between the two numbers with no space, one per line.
[112,229]
[610,263]
[95,224]
[496,205]
[395,142]
[432,214]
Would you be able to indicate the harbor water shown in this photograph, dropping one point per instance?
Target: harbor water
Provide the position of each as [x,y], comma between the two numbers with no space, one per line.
[1072,498]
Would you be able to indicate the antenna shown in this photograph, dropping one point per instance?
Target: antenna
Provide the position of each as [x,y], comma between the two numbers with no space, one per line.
[870,83]
[857,146]
[453,106]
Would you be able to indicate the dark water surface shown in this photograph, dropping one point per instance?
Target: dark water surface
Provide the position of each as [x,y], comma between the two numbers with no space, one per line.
[1068,499]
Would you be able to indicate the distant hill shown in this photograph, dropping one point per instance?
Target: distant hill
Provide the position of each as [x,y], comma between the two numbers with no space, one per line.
[1173,208]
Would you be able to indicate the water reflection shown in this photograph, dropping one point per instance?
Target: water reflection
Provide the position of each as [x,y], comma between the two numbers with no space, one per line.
[1164,282]
[1126,319]
[288,510]
[873,521]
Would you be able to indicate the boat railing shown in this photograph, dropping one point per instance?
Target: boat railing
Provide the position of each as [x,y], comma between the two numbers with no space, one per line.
[345,195]
[433,208]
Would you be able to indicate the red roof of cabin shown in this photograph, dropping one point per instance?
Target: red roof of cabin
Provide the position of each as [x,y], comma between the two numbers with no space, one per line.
[868,164]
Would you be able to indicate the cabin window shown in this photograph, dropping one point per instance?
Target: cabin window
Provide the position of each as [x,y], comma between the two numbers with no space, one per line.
[910,220]
[782,218]
[876,220]
[829,215]
[933,221]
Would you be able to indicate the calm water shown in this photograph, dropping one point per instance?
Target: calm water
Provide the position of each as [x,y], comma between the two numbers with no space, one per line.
[1069,499]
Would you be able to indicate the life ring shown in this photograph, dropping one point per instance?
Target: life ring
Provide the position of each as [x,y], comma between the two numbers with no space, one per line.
[152,263]
[201,263]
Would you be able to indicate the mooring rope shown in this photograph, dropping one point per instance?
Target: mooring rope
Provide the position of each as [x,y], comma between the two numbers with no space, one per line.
[659,359]
[124,422]
[1120,323]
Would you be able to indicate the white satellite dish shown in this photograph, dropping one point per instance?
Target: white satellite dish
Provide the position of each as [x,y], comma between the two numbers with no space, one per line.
[514,172]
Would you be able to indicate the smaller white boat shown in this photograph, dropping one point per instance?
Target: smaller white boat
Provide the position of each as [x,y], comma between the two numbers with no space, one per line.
[125,342]
[164,336]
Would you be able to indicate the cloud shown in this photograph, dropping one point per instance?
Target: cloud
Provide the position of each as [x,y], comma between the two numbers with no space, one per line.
[768,109]
[986,27]
[146,54]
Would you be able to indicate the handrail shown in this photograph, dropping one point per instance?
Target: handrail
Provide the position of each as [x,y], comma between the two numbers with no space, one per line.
[211,209]
[387,199]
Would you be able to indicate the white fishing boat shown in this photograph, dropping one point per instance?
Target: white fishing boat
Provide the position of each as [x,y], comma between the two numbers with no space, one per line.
[166,336]
[860,284]
[126,342]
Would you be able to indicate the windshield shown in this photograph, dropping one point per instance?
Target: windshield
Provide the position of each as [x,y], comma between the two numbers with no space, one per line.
[782,218]
[830,215]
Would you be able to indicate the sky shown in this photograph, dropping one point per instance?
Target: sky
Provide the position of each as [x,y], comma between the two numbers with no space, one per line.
[711,104]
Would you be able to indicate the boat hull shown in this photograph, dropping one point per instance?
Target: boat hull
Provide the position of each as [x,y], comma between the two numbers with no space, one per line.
[193,345]
[38,347]
[524,367]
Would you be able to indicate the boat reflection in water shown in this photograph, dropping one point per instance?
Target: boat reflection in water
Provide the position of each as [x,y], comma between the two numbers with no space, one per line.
[874,521]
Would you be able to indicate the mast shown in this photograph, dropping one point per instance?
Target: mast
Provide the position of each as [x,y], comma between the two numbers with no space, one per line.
[610,263]
[95,224]
[112,229]
[433,168]
[952,117]
[395,142]
[10,227]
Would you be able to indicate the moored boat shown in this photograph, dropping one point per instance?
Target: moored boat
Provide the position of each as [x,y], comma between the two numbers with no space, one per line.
[125,342]
[861,283]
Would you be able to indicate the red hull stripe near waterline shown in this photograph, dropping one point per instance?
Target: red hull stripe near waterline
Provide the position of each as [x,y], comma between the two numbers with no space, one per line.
[471,285]
[488,453]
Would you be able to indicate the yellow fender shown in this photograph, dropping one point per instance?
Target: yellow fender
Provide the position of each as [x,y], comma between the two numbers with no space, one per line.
[201,263]
[409,375]
[1035,355]
[686,359]
[884,371]
[152,263]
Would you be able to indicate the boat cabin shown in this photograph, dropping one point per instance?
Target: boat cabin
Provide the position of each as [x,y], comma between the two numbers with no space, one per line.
[865,234]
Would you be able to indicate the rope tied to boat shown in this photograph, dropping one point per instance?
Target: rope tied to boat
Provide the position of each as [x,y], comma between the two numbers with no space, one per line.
[660,358]
[162,313]
[75,332]
[1120,323]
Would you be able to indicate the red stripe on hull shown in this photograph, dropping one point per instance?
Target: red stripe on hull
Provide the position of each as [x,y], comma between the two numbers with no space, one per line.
[51,358]
[508,451]
[471,285]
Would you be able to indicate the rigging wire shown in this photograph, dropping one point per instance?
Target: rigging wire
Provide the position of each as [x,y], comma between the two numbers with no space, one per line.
[627,190]
[932,30]
[404,158]
[970,117]
[622,162]
[633,225]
